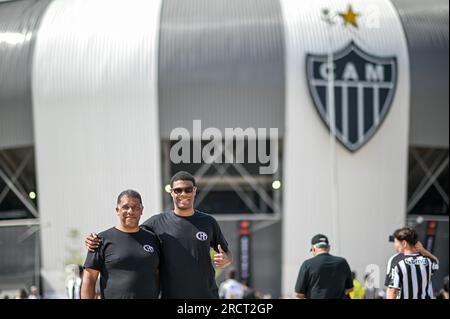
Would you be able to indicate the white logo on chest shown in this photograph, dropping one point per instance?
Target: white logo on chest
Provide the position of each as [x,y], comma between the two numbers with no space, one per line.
[148,248]
[201,236]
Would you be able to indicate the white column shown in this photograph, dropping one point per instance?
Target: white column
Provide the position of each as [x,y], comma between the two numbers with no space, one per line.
[95,118]
[371,182]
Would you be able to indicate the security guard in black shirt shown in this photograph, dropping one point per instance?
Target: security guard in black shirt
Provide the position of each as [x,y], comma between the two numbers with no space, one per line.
[324,276]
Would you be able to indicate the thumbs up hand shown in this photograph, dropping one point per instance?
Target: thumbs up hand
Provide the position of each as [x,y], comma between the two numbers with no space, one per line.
[221,259]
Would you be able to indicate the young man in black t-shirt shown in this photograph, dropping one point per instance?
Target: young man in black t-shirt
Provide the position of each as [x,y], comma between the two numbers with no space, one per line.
[127,259]
[186,237]
[324,276]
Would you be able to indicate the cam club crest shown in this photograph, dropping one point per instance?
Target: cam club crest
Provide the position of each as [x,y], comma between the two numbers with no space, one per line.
[363,87]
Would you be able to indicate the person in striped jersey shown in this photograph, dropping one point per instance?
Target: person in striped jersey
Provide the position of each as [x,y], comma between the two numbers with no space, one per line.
[411,269]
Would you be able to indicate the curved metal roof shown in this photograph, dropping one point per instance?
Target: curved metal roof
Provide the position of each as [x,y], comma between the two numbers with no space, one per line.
[426,27]
[223,62]
[18,25]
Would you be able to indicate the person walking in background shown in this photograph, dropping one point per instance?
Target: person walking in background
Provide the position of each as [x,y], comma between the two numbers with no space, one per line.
[249,292]
[324,276]
[231,288]
[34,293]
[411,270]
[73,281]
[443,293]
[22,294]
[358,288]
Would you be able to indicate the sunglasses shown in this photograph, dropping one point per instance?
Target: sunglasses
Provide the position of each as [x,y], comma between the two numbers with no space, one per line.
[179,190]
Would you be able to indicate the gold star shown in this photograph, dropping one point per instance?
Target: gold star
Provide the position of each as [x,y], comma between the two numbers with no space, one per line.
[349,16]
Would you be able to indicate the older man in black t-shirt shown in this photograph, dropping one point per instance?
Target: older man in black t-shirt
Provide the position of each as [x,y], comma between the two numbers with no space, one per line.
[127,259]
[324,276]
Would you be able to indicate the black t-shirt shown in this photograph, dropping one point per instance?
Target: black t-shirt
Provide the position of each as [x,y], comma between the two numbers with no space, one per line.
[186,266]
[324,277]
[128,264]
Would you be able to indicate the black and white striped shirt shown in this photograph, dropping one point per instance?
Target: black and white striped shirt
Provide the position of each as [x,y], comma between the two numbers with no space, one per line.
[411,274]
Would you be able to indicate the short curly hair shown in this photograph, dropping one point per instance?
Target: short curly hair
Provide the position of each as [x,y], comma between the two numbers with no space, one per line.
[182,176]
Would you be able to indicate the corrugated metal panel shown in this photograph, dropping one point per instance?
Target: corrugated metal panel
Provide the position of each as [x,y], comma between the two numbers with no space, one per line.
[96,119]
[18,25]
[426,27]
[221,61]
[328,189]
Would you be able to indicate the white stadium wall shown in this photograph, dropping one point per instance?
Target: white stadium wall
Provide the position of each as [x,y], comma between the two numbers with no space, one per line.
[357,198]
[95,119]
